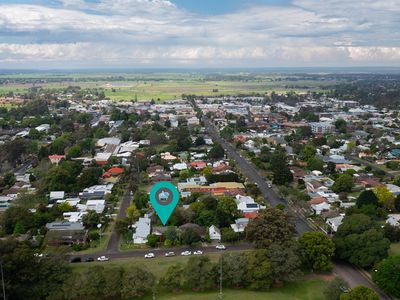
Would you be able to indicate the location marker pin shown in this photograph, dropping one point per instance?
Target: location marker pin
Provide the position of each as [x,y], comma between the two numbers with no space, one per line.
[164,197]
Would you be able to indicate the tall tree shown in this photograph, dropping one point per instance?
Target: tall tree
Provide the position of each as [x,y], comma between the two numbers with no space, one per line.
[199,274]
[317,250]
[360,293]
[387,275]
[280,169]
[271,226]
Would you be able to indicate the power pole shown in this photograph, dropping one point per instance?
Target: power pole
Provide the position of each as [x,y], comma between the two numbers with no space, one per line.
[2,280]
[220,279]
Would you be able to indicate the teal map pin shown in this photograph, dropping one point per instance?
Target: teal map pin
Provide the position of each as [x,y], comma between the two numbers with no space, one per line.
[164,197]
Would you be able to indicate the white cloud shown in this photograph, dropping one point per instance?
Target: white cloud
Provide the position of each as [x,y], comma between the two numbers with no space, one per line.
[158,32]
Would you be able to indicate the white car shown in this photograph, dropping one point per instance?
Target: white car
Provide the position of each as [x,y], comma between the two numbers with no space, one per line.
[198,252]
[220,247]
[169,254]
[149,255]
[102,258]
[186,253]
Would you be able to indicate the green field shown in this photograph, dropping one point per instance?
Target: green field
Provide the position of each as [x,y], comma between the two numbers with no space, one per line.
[394,249]
[163,86]
[302,290]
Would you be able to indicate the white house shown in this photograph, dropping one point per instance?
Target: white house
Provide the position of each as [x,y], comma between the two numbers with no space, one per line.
[393,219]
[57,195]
[215,233]
[240,225]
[143,229]
[318,208]
[334,223]
[180,166]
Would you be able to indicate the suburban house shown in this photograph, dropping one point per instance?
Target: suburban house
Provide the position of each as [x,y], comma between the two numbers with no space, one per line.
[143,229]
[393,219]
[65,233]
[240,225]
[55,159]
[214,233]
[335,222]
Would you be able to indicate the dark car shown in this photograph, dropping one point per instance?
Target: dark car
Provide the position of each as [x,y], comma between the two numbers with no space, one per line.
[89,259]
[76,260]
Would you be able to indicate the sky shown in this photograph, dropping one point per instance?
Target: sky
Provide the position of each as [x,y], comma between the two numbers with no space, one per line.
[75,34]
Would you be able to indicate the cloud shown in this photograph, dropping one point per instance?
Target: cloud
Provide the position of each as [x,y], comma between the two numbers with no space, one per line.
[158,33]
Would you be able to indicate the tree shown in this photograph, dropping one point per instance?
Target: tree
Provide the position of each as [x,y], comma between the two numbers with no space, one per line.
[141,199]
[8,180]
[387,275]
[271,226]
[360,293]
[285,263]
[341,125]
[27,276]
[74,151]
[89,177]
[234,269]
[360,241]
[367,197]
[317,250]
[392,233]
[200,141]
[190,237]
[16,215]
[280,169]
[136,282]
[121,225]
[152,240]
[132,212]
[91,219]
[259,272]
[344,183]
[315,163]
[308,152]
[172,279]
[335,288]
[198,273]
[385,197]
[216,152]
[227,133]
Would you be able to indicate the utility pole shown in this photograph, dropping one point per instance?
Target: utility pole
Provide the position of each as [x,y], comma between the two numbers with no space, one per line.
[2,280]
[220,279]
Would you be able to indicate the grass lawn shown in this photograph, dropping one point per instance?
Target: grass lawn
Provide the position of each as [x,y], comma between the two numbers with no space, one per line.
[302,290]
[394,249]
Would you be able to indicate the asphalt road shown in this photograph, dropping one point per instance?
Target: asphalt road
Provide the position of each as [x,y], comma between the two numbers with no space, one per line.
[271,197]
[113,243]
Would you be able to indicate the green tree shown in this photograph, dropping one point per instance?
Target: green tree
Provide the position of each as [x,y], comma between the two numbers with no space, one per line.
[315,163]
[200,141]
[132,212]
[335,289]
[259,274]
[234,270]
[360,293]
[190,237]
[284,262]
[308,152]
[136,282]
[387,275]
[385,197]
[280,169]
[271,226]
[173,278]
[344,183]
[91,219]
[152,240]
[199,273]
[367,197]
[227,133]
[341,125]
[359,241]
[74,151]
[89,177]
[216,152]
[121,225]
[317,250]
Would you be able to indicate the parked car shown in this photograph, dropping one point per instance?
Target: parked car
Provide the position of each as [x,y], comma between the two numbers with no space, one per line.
[186,253]
[89,259]
[103,258]
[75,260]
[169,254]
[220,247]
[198,252]
[149,255]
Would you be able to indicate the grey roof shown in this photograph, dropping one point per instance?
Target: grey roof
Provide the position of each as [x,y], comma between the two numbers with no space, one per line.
[64,226]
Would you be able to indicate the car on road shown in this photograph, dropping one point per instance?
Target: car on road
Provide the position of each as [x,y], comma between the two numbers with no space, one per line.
[89,259]
[220,247]
[186,253]
[198,252]
[75,260]
[149,255]
[169,254]
[269,185]
[103,258]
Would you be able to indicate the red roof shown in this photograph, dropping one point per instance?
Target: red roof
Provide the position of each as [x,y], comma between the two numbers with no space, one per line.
[56,156]
[251,215]
[114,171]
[198,164]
